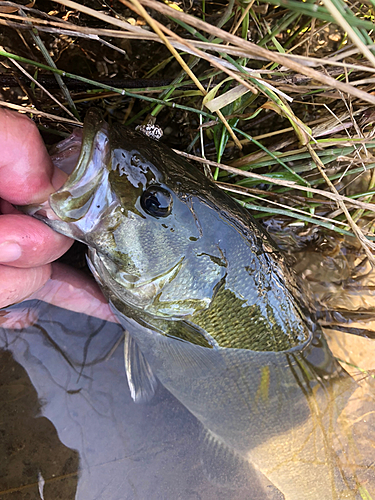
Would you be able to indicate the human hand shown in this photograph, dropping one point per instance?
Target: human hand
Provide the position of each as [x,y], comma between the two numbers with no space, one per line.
[27,246]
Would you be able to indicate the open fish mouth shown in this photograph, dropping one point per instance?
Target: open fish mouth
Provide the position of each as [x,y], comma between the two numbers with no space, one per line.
[65,154]
[74,199]
[86,182]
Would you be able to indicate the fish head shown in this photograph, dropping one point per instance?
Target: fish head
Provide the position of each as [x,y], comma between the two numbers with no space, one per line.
[135,206]
[171,250]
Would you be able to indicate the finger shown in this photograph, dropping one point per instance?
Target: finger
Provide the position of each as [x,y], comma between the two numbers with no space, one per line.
[67,288]
[27,242]
[18,284]
[27,174]
[18,318]
[71,289]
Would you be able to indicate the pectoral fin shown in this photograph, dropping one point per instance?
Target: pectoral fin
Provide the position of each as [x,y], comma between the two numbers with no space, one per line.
[141,380]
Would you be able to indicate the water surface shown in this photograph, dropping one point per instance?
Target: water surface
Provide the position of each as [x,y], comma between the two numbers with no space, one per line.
[69,428]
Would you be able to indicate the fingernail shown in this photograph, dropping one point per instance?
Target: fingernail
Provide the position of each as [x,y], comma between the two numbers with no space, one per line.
[9,252]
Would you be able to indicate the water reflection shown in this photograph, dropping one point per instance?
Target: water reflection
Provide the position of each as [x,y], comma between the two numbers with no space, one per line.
[284,413]
[67,415]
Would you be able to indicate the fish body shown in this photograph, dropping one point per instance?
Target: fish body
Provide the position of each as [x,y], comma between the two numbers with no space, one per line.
[210,308]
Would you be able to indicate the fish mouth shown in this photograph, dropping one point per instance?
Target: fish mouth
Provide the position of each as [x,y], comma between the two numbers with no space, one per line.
[87,183]
[73,200]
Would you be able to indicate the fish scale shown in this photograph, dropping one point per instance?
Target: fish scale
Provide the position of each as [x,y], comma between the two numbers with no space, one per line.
[233,324]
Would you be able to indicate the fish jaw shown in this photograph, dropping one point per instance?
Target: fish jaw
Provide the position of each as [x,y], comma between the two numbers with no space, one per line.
[75,209]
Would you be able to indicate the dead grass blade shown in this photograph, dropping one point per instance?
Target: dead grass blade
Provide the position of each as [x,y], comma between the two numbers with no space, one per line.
[349,30]
[26,73]
[159,29]
[253,49]
[36,112]
[271,180]
[367,245]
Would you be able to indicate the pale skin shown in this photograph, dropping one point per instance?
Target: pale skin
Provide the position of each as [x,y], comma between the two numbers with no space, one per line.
[28,248]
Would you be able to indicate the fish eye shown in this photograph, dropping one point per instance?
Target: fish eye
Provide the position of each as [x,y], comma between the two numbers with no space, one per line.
[156,201]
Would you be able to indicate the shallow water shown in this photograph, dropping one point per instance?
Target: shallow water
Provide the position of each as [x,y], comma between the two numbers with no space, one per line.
[69,428]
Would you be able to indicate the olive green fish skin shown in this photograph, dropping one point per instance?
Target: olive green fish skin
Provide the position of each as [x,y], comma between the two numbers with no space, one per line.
[208,262]
[211,308]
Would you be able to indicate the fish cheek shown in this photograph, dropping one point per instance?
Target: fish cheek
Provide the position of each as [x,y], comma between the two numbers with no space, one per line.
[192,288]
[203,265]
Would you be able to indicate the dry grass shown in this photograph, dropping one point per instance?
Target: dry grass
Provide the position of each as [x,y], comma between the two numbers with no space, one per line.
[275,97]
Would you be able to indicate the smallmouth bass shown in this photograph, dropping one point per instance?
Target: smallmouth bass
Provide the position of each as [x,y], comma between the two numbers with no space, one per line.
[210,309]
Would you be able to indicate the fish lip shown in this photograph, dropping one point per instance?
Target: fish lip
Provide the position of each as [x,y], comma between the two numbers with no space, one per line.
[72,201]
